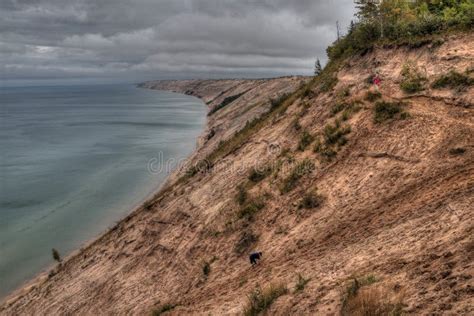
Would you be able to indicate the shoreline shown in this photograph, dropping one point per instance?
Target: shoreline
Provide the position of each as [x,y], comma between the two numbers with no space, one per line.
[211,93]
[43,274]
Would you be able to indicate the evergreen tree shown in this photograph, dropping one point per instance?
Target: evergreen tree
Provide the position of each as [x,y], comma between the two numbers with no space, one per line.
[317,68]
[351,27]
[367,10]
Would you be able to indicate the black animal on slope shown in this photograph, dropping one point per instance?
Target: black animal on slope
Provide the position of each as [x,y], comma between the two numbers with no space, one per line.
[254,257]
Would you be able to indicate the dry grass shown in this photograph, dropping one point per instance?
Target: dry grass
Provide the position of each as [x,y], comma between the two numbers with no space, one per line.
[372,301]
[259,300]
[363,298]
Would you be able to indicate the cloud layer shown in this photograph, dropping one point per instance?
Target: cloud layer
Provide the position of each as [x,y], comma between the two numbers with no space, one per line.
[143,39]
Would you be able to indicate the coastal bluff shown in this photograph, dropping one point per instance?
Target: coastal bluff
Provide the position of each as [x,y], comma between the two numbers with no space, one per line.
[351,192]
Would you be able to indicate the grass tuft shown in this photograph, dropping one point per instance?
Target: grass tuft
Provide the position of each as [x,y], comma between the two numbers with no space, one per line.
[305,140]
[259,300]
[361,299]
[301,283]
[311,200]
[251,208]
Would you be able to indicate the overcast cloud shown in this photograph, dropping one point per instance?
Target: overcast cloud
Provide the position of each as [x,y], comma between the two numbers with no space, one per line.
[120,40]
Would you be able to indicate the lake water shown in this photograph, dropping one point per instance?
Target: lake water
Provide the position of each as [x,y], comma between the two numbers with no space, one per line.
[74,160]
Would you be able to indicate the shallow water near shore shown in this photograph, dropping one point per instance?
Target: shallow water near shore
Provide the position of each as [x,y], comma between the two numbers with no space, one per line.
[75,159]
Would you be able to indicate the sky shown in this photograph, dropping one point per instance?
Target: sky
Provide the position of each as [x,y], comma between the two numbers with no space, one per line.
[135,40]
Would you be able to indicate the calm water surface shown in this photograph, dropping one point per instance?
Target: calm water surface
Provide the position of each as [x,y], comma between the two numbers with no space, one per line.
[73,160]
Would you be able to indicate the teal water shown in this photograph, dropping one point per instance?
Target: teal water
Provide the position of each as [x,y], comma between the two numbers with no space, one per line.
[74,160]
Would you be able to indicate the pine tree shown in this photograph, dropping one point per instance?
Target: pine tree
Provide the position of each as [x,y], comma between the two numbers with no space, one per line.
[351,27]
[367,10]
[317,68]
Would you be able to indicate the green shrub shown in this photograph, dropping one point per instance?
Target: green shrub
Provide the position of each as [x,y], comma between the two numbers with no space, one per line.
[338,107]
[311,200]
[305,140]
[327,153]
[328,82]
[412,79]
[301,169]
[453,80]
[403,24]
[335,134]
[372,96]
[301,283]
[163,309]
[259,300]
[384,111]
[349,111]
[257,174]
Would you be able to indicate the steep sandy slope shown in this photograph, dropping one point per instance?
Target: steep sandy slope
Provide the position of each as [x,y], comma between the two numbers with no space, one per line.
[395,205]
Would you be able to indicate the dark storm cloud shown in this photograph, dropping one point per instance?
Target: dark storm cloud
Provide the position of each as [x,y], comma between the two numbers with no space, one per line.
[165,38]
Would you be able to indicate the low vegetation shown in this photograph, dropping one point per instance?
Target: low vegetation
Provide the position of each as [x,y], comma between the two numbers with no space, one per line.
[201,166]
[163,309]
[362,299]
[453,80]
[259,300]
[384,111]
[334,137]
[259,173]
[305,140]
[301,283]
[338,107]
[326,152]
[301,169]
[225,102]
[275,103]
[349,110]
[242,195]
[457,151]
[335,134]
[311,200]
[373,96]
[412,79]
[251,208]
